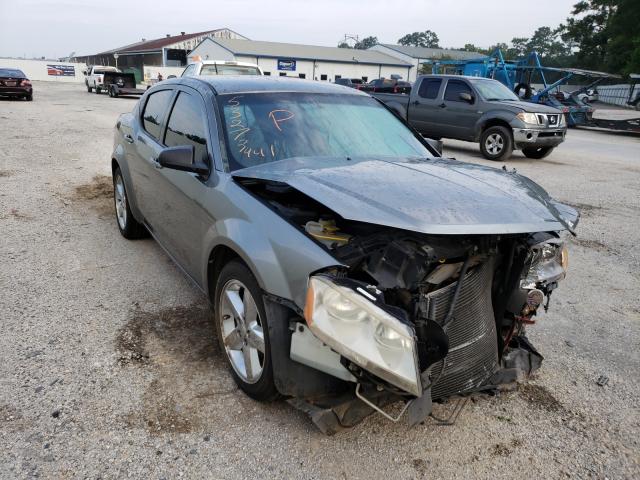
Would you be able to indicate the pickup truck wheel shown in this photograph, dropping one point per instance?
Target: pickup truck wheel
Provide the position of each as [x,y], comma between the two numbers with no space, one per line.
[98,90]
[243,334]
[537,152]
[496,143]
[89,89]
[129,227]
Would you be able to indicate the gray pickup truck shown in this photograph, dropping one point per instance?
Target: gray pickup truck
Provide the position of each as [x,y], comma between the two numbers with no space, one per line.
[479,110]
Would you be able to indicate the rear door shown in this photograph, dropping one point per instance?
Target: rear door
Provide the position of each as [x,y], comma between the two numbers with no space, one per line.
[177,198]
[424,106]
[458,117]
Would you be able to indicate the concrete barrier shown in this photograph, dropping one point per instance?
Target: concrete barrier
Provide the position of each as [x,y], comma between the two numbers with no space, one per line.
[47,70]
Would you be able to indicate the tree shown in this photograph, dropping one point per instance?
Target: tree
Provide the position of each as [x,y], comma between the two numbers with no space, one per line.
[623,51]
[588,29]
[519,47]
[420,39]
[344,45]
[366,43]
[547,43]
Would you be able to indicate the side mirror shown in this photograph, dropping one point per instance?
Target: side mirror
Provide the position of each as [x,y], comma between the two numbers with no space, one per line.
[467,97]
[182,158]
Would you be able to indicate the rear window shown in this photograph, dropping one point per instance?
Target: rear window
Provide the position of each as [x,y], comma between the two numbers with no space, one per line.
[105,70]
[228,70]
[11,72]
[154,111]
[429,88]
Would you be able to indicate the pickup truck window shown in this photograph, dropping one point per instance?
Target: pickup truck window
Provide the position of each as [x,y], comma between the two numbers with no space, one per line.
[270,126]
[429,88]
[228,70]
[186,125]
[154,111]
[454,89]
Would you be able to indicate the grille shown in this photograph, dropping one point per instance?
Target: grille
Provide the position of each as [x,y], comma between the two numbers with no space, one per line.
[550,119]
[473,344]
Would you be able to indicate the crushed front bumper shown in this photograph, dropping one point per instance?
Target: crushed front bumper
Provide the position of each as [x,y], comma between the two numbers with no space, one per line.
[533,137]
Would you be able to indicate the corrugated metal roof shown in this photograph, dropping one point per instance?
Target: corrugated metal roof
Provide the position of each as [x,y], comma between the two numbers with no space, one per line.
[428,53]
[158,43]
[307,52]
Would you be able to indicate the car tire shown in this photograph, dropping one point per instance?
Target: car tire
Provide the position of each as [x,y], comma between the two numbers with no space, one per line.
[242,330]
[537,152]
[110,92]
[129,227]
[29,98]
[89,89]
[496,143]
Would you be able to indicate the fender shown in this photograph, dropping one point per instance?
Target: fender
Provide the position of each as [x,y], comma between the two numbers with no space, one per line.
[261,238]
[120,157]
[504,115]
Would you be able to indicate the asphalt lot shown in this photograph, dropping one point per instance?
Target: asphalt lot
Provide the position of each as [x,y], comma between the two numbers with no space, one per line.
[108,367]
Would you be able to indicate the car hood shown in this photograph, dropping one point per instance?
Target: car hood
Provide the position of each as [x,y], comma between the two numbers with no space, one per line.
[529,106]
[433,196]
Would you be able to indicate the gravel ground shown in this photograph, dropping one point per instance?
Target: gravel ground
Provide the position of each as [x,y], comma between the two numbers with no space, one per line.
[108,368]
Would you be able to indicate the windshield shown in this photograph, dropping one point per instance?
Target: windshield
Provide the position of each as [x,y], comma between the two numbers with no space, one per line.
[228,70]
[493,90]
[10,72]
[266,127]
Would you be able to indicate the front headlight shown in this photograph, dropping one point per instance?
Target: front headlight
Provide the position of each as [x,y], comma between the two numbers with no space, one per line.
[547,263]
[531,118]
[359,330]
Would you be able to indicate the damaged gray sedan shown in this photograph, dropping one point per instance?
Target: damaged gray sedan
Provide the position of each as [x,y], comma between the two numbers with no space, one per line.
[349,266]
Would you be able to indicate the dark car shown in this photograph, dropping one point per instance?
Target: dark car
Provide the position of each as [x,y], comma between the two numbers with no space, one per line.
[386,85]
[15,84]
[349,82]
[349,266]
[479,110]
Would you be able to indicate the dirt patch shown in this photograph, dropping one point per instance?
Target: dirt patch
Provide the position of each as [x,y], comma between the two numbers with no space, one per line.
[5,173]
[17,214]
[185,332]
[584,209]
[540,397]
[593,245]
[505,449]
[11,418]
[98,194]
[190,380]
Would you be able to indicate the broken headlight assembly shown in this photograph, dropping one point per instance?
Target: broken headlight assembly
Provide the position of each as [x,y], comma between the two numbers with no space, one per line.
[348,321]
[546,264]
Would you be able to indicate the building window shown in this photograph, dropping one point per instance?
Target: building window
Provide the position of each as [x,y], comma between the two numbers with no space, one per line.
[283,74]
[266,73]
[338,77]
[323,77]
[302,75]
[365,79]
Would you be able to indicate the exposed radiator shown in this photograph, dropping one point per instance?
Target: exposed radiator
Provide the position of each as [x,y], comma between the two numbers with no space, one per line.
[473,343]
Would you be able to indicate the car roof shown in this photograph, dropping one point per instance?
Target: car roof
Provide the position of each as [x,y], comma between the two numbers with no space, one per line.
[224,84]
[468,77]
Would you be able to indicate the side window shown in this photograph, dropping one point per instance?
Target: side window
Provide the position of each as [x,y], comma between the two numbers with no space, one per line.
[429,88]
[154,111]
[186,125]
[454,89]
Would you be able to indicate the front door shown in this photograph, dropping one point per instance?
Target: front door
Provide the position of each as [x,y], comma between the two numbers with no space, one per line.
[459,116]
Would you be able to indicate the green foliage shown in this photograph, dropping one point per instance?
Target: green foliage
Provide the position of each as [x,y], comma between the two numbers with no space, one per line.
[363,44]
[420,39]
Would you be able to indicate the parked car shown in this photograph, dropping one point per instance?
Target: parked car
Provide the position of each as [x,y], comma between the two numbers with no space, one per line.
[350,82]
[589,96]
[386,85]
[479,110]
[221,67]
[348,265]
[15,84]
[94,77]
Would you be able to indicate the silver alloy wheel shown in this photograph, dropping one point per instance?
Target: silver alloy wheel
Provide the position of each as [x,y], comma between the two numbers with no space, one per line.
[494,143]
[121,202]
[241,329]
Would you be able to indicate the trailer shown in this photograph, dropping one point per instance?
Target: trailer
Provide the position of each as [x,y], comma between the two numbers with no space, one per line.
[519,75]
[117,84]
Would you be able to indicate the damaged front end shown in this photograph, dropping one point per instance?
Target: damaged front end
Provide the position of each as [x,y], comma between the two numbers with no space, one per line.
[410,316]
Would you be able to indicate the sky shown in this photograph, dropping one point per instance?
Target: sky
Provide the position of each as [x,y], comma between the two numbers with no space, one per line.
[50,28]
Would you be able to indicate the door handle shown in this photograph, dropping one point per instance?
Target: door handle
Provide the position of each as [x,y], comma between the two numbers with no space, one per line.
[442,105]
[142,140]
[128,138]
